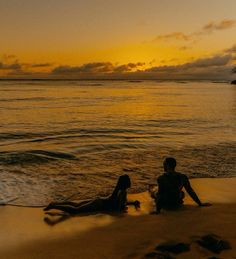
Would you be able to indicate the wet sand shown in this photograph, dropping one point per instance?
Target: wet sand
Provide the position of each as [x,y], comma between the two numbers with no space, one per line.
[24,234]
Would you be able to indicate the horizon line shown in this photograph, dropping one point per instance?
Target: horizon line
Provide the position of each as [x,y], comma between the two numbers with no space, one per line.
[110,79]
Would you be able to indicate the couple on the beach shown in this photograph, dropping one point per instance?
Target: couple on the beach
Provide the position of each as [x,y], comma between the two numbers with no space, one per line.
[169,195]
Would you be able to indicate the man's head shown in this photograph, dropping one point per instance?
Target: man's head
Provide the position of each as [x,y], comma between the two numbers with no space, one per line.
[169,164]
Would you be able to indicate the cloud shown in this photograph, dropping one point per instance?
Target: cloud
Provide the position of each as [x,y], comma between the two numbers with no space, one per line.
[214,67]
[12,66]
[152,62]
[128,67]
[38,65]
[215,61]
[183,48]
[220,25]
[175,36]
[97,67]
[218,60]
[7,57]
[231,50]
[205,30]
[23,70]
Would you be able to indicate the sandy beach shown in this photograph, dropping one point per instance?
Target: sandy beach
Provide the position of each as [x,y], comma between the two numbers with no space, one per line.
[99,99]
[24,234]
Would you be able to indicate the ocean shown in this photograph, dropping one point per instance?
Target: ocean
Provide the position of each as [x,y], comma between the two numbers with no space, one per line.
[64,138]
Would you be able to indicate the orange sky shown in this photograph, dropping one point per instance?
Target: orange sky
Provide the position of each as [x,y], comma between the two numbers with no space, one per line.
[42,35]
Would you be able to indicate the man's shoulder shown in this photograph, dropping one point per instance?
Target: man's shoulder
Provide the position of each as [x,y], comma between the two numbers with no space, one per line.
[160,177]
[182,176]
[165,176]
[175,173]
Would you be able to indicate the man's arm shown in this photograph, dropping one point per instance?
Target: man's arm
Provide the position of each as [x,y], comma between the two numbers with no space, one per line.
[191,192]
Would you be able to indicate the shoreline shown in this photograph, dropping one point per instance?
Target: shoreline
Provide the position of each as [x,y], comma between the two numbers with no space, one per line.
[24,234]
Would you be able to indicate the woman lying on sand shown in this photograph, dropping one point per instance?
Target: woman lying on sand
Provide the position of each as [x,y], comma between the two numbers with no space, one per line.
[116,202]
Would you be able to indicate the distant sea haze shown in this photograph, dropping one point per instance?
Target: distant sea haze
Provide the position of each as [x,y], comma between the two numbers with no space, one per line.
[59,138]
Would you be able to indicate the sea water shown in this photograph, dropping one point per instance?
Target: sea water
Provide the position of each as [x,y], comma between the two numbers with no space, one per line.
[63,138]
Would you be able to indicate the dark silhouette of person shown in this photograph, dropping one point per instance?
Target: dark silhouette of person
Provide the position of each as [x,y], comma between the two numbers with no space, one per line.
[116,202]
[170,193]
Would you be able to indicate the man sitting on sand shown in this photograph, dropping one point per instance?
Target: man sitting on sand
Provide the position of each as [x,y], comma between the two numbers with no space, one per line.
[170,185]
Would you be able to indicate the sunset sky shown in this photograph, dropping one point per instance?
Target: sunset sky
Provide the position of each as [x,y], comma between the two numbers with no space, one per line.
[117,39]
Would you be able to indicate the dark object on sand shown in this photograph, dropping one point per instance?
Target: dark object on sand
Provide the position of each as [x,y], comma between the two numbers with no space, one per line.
[175,248]
[213,257]
[214,243]
[158,255]
[135,81]
[233,82]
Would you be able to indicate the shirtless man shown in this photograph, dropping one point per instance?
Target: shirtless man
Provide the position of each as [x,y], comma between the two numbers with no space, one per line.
[170,186]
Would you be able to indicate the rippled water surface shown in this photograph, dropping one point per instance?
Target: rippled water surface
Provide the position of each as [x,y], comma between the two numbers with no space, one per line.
[58,138]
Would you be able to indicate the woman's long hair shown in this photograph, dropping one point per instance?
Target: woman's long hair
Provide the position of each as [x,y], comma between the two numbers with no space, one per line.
[122,184]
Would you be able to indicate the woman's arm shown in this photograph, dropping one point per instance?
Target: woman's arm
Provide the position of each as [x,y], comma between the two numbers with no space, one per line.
[121,201]
[135,203]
